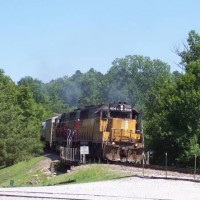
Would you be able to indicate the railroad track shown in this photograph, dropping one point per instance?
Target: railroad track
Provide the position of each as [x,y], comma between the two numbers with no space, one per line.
[156,167]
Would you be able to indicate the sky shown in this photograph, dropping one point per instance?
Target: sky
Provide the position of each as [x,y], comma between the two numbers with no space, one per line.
[50,39]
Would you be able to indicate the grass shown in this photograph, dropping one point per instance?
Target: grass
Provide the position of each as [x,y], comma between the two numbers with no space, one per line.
[26,174]
[20,173]
[87,173]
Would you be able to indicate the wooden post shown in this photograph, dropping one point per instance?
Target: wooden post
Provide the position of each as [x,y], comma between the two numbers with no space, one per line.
[195,164]
[143,164]
[166,163]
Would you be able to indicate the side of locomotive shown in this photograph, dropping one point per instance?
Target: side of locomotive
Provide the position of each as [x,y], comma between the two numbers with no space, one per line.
[111,131]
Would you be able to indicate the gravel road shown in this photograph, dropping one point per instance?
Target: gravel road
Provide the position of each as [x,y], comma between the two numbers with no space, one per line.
[120,189]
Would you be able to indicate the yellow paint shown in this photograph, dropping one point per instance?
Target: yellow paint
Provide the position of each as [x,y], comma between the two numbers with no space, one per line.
[106,136]
[103,125]
[98,130]
[124,124]
[123,129]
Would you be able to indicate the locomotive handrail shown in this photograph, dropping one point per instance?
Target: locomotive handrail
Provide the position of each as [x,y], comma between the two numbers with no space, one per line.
[106,125]
[68,142]
[121,129]
[131,130]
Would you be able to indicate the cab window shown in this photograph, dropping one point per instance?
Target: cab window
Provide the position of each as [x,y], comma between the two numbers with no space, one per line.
[104,115]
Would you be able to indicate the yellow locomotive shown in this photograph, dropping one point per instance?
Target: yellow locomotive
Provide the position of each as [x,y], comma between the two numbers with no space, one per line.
[110,131]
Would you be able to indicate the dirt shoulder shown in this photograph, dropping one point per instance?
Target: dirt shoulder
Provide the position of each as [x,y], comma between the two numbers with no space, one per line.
[45,164]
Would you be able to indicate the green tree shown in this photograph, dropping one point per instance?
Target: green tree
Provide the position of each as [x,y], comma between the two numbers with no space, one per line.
[57,94]
[91,85]
[191,50]
[36,87]
[172,111]
[131,78]
[40,94]
[20,123]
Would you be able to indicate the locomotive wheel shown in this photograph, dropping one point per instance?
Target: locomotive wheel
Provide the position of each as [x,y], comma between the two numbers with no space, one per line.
[135,156]
[111,153]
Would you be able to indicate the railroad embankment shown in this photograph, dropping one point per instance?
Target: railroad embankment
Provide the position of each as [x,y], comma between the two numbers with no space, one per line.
[45,171]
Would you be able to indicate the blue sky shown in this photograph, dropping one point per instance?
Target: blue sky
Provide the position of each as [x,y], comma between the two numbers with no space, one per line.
[49,39]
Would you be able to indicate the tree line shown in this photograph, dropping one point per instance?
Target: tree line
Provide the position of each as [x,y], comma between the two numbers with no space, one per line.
[169,103]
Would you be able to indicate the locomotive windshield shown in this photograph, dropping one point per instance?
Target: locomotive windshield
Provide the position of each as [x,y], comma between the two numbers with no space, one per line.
[120,111]
[119,114]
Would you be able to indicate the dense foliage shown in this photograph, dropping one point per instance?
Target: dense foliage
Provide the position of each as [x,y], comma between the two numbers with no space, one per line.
[20,122]
[173,110]
[169,103]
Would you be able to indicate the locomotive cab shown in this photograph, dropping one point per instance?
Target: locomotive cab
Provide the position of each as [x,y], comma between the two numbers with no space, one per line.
[122,136]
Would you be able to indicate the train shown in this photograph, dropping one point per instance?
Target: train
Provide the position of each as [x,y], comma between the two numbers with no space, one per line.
[109,132]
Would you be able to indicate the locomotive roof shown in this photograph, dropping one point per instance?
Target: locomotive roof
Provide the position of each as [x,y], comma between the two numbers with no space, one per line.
[92,110]
[96,108]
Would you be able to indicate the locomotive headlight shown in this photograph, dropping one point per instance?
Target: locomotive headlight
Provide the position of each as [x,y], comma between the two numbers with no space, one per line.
[121,107]
[113,143]
[136,144]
